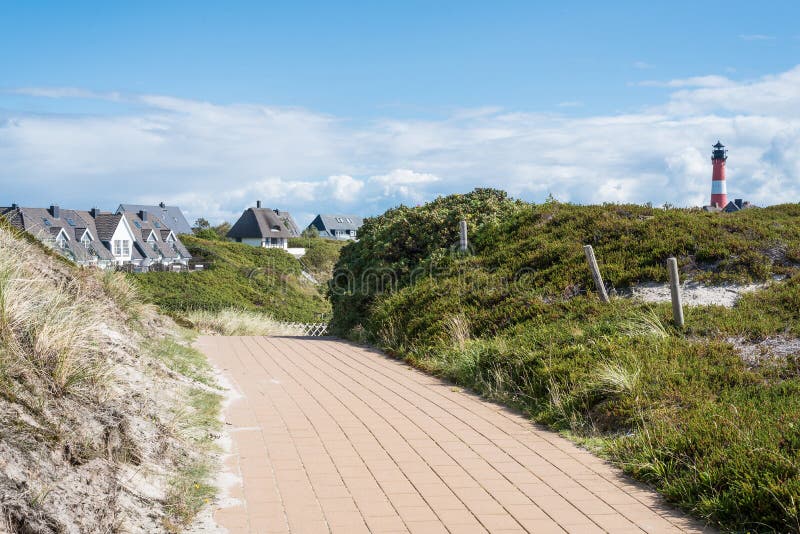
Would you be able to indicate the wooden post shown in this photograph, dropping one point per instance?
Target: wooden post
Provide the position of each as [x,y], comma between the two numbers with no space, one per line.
[598,280]
[464,241]
[675,290]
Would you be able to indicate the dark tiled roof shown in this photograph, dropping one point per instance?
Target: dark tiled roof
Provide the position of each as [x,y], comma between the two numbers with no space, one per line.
[289,223]
[259,223]
[106,224]
[13,216]
[97,246]
[40,222]
[337,222]
[172,216]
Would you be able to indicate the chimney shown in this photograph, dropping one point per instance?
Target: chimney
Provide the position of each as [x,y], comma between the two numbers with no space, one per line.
[55,211]
[14,206]
[94,212]
[258,203]
[277,211]
[162,205]
[143,215]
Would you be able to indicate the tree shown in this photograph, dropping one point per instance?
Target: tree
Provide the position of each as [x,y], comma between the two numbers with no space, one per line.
[222,229]
[311,231]
[201,224]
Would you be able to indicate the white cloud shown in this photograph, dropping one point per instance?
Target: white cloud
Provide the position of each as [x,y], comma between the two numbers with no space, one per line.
[756,37]
[404,184]
[776,96]
[219,159]
[66,92]
[344,188]
[695,81]
[642,65]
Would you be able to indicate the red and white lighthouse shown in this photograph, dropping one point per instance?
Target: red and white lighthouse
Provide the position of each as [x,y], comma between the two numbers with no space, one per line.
[719,193]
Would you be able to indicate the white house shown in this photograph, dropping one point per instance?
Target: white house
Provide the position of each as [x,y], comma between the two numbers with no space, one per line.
[153,241]
[261,227]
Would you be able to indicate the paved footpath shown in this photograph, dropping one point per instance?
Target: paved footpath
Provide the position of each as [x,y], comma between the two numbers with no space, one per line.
[332,437]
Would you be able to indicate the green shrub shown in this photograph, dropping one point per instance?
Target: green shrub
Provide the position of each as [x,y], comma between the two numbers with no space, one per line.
[397,243]
[320,257]
[517,320]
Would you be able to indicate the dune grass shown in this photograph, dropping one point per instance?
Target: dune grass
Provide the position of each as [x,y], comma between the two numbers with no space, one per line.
[51,332]
[236,322]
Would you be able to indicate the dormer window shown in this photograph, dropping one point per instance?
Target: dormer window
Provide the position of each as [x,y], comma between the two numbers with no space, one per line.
[275,228]
[61,241]
[86,240]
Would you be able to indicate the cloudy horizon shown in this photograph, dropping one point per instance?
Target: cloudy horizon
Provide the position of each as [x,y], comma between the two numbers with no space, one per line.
[361,108]
[217,159]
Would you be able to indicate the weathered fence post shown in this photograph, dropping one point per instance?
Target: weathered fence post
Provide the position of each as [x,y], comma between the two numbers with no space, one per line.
[675,290]
[598,280]
[464,241]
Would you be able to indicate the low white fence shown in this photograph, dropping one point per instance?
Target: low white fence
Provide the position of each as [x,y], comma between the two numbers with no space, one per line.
[306,329]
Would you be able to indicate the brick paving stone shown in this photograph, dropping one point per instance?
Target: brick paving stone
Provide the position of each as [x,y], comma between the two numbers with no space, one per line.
[331,437]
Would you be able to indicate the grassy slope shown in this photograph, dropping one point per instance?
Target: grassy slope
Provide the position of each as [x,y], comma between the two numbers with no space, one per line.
[677,409]
[69,412]
[236,276]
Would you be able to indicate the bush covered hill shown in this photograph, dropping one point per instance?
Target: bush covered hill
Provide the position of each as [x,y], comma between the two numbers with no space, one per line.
[105,412]
[237,276]
[709,415]
[320,257]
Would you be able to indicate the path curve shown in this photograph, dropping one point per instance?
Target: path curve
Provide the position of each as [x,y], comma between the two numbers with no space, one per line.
[332,437]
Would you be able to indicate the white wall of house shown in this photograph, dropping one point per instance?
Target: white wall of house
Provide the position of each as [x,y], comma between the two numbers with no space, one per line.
[121,234]
[252,241]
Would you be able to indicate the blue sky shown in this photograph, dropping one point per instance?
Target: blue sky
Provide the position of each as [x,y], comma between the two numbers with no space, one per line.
[357,107]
